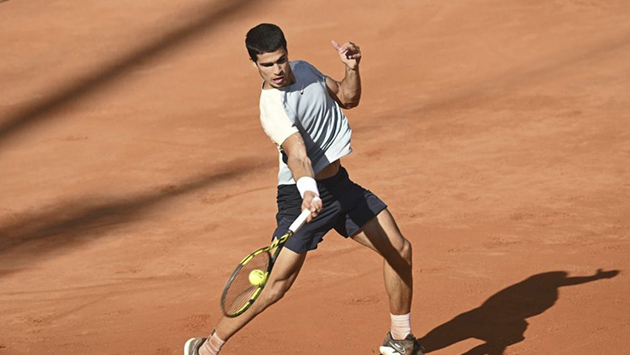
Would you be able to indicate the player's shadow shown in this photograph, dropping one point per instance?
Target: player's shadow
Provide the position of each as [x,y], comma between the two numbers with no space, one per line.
[501,321]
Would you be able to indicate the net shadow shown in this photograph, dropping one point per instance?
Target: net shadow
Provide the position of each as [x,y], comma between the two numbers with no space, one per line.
[72,223]
[213,17]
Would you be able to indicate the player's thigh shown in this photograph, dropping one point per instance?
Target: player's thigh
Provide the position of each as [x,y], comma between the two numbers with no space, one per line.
[382,235]
[286,268]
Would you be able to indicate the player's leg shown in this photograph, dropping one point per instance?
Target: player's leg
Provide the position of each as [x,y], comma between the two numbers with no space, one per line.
[284,273]
[382,235]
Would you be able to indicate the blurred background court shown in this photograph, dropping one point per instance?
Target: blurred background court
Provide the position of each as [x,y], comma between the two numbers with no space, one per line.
[134,174]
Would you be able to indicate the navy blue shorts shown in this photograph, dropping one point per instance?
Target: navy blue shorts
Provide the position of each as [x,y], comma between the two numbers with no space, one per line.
[347,207]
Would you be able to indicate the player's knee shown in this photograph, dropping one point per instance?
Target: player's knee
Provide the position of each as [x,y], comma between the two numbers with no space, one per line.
[406,250]
[401,256]
[275,293]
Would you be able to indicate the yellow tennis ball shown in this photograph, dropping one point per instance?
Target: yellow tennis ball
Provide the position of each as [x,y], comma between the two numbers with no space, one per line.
[257,277]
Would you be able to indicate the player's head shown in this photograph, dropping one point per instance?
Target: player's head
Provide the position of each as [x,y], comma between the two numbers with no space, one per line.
[264,38]
[267,49]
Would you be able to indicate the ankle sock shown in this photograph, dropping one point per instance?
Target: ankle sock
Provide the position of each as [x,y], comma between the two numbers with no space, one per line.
[212,346]
[401,326]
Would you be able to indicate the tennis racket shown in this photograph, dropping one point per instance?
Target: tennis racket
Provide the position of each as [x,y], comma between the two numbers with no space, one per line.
[250,276]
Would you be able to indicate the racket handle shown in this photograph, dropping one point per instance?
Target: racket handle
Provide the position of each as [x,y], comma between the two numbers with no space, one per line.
[299,222]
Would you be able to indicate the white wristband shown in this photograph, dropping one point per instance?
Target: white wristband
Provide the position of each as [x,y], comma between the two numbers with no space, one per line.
[307,183]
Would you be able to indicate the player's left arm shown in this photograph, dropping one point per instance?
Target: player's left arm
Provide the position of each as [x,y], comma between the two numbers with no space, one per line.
[347,92]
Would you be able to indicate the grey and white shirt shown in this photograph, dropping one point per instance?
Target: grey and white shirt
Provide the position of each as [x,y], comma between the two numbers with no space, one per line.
[306,107]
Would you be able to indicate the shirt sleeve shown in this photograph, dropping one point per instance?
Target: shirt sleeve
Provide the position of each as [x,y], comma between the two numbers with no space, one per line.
[274,119]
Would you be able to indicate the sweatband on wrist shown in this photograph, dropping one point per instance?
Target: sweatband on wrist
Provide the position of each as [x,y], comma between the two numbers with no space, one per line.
[307,183]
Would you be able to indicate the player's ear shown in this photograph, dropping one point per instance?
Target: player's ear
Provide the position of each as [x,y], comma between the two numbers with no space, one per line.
[254,62]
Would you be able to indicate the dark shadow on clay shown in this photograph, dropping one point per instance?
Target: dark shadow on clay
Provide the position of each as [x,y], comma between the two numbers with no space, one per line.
[213,17]
[31,236]
[501,321]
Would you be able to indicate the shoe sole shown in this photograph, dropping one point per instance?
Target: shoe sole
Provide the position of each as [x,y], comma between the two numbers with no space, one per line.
[187,346]
[386,350]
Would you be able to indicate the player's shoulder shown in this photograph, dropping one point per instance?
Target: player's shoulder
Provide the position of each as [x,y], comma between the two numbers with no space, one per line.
[301,64]
[270,98]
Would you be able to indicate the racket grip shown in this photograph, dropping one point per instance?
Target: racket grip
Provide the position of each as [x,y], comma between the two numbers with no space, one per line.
[299,222]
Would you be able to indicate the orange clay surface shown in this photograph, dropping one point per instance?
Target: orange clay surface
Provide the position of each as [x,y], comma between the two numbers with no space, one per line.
[134,174]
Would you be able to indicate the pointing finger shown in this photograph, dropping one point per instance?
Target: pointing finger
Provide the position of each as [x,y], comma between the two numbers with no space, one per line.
[338,47]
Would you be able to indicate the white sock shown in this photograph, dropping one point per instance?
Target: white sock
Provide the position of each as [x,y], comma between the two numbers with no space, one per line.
[212,346]
[401,326]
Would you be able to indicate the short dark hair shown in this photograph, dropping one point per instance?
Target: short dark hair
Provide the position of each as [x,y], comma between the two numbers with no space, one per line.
[264,38]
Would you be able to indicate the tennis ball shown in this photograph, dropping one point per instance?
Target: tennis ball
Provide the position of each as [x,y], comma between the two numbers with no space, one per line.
[257,277]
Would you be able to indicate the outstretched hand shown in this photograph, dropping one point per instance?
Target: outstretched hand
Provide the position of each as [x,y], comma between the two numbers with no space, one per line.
[349,53]
[606,274]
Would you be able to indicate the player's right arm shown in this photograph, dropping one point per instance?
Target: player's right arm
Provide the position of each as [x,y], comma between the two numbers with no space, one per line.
[281,130]
[300,165]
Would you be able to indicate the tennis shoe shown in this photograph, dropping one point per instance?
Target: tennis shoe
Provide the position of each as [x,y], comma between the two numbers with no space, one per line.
[407,346]
[192,346]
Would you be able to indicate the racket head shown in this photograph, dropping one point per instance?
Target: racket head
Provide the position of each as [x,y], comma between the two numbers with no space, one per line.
[239,293]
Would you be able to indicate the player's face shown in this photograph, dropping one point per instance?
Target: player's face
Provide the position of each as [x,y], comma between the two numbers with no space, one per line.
[274,68]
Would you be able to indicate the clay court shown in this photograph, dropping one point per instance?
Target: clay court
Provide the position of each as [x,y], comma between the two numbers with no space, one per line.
[134,174]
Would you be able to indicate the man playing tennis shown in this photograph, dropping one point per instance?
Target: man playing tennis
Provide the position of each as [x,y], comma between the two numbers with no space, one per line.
[301,112]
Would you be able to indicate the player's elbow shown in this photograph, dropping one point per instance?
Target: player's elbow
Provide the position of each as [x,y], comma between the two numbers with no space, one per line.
[350,104]
[351,99]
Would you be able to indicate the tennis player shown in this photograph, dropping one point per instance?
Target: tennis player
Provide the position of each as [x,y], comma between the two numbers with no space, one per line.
[301,112]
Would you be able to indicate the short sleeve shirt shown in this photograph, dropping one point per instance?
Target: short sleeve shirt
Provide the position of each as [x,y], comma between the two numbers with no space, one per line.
[305,107]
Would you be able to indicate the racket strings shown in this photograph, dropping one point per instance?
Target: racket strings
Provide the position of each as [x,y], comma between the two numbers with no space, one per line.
[240,290]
